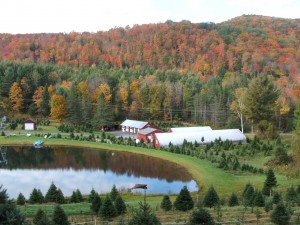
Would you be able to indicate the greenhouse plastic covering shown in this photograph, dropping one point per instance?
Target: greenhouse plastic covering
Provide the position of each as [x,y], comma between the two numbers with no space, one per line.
[190,129]
[234,135]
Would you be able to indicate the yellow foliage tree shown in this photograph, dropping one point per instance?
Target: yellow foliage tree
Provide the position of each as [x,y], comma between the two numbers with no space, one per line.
[134,86]
[59,108]
[105,90]
[38,97]
[123,95]
[16,97]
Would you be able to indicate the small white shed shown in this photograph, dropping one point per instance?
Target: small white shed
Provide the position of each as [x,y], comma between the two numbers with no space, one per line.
[30,124]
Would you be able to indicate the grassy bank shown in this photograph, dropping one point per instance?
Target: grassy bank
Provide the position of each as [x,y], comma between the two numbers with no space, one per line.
[204,173]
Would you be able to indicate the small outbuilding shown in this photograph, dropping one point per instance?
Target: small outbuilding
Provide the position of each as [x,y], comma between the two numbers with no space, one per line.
[30,124]
[134,126]
[147,134]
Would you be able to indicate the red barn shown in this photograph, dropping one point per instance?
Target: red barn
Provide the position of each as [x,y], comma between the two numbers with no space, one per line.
[134,126]
[148,133]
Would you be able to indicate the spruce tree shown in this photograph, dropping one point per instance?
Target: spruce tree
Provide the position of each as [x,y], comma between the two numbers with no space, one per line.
[103,116]
[184,200]
[260,99]
[73,198]
[233,200]
[9,214]
[280,215]
[59,216]
[34,197]
[120,205]
[45,104]
[201,216]
[92,195]
[79,196]
[113,193]
[40,218]
[60,198]
[291,195]
[166,203]
[107,209]
[41,197]
[21,199]
[96,204]
[143,216]
[51,194]
[270,182]
[276,198]
[211,198]
[259,199]
[248,195]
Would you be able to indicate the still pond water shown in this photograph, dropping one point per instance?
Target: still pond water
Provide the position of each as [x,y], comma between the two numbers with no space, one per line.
[72,168]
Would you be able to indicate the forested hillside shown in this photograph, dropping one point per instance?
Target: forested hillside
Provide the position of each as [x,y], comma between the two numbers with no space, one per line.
[184,71]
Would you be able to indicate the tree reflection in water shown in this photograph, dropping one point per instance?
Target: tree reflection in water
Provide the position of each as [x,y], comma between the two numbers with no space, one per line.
[82,168]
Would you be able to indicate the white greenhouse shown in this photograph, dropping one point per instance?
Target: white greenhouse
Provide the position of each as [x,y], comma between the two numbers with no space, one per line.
[203,137]
[189,129]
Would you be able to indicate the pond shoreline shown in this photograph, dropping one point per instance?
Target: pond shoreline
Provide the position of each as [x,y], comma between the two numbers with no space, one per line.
[202,171]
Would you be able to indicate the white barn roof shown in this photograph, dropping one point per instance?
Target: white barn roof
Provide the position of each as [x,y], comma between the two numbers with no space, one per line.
[234,135]
[190,129]
[147,131]
[134,123]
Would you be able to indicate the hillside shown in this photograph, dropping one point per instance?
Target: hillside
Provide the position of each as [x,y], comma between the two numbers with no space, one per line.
[249,44]
[182,71]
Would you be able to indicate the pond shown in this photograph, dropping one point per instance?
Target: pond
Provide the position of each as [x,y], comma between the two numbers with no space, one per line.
[71,168]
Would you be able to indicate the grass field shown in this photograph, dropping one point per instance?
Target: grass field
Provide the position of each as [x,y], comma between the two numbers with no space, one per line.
[204,172]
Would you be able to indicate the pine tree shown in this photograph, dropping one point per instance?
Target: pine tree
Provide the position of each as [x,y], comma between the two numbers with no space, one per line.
[248,195]
[107,209]
[259,199]
[34,197]
[45,104]
[211,198]
[96,204]
[79,196]
[60,198]
[103,116]
[51,194]
[233,200]
[21,199]
[296,140]
[201,216]
[113,193]
[184,200]
[260,99]
[120,205]
[9,214]
[270,182]
[74,109]
[92,195]
[291,195]
[40,218]
[276,198]
[143,216]
[73,198]
[166,203]
[59,216]
[280,215]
